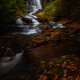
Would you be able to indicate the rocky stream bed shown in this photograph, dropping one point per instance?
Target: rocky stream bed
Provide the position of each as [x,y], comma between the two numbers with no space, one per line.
[48,45]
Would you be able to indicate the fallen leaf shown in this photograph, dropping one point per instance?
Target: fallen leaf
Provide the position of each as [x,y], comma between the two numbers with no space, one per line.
[42,66]
[50,72]
[50,63]
[50,66]
[44,78]
[8,48]
[73,68]
[23,77]
[72,54]
[63,65]
[63,79]
[68,60]
[69,77]
[65,71]
[58,64]
[69,67]
[65,75]
[56,76]
[78,77]
[72,64]
[41,76]
[45,71]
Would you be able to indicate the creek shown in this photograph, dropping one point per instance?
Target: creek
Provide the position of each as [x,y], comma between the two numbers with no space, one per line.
[20,65]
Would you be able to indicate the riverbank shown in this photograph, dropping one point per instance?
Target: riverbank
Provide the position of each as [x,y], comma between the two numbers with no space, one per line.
[56,43]
[55,49]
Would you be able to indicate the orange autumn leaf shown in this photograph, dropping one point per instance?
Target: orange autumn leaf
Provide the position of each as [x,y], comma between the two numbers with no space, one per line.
[23,77]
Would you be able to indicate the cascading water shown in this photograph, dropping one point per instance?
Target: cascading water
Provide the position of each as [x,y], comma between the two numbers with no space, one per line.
[36,5]
[8,62]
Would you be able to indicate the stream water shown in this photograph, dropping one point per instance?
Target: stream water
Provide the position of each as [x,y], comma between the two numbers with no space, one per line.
[10,67]
[11,64]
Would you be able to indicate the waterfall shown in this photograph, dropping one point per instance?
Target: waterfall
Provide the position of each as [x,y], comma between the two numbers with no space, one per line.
[32,28]
[38,4]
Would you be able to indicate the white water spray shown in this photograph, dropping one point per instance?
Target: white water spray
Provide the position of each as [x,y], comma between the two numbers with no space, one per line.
[38,4]
[9,62]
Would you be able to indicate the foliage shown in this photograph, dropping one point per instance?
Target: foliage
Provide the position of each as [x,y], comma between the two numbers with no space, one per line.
[10,9]
[60,9]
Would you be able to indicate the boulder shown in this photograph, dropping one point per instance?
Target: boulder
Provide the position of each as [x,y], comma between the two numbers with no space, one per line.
[45,27]
[29,8]
[40,10]
[27,20]
[42,20]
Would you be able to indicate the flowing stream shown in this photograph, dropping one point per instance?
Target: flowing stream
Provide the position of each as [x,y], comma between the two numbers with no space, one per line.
[32,28]
[6,63]
[21,27]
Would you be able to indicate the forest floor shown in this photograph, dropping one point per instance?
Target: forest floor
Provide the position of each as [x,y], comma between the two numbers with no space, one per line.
[60,57]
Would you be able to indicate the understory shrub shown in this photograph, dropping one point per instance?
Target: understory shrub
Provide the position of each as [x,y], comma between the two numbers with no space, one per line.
[10,10]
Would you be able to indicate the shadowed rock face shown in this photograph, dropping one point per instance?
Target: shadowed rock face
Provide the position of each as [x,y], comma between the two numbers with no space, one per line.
[29,8]
[42,2]
[30,2]
[42,20]
[27,20]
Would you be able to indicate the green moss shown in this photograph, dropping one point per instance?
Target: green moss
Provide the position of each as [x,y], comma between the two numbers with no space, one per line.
[57,9]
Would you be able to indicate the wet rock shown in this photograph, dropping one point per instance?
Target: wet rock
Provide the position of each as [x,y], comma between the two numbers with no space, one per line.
[40,10]
[42,20]
[2,51]
[47,35]
[29,8]
[52,24]
[27,20]
[42,31]
[45,27]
